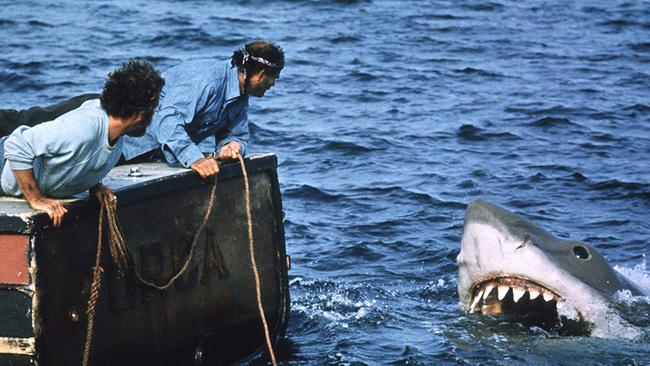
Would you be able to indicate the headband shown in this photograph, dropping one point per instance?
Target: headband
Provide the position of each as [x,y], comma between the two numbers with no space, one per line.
[263,61]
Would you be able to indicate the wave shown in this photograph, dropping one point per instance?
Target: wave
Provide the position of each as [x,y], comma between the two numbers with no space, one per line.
[362,251]
[470,132]
[616,189]
[344,147]
[638,108]
[535,110]
[552,122]
[17,82]
[619,23]
[594,10]
[615,184]
[344,39]
[39,24]
[398,194]
[175,21]
[363,76]
[30,66]
[240,21]
[6,22]
[189,37]
[311,193]
[485,7]
[480,72]
[526,203]
[640,47]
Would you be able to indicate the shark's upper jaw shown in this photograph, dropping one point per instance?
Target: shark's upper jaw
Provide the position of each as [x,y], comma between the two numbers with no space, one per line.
[528,302]
[513,294]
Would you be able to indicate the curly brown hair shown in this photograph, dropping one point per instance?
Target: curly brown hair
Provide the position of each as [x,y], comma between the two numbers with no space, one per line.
[132,88]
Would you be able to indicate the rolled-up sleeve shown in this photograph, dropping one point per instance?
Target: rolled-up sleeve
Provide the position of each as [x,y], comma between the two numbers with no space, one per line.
[180,106]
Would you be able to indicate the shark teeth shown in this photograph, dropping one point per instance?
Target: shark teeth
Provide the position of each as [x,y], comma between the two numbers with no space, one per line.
[547,296]
[502,291]
[487,301]
[476,301]
[517,293]
[488,290]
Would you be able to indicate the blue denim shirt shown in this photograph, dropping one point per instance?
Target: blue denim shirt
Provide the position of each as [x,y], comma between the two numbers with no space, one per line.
[200,110]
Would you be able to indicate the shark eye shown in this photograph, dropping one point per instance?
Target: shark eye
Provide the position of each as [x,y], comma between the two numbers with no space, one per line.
[581,252]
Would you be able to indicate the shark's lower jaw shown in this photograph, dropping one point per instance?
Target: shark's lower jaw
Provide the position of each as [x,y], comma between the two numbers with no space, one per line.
[527,301]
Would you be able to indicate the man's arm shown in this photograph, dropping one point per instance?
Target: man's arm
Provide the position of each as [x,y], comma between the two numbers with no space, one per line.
[48,139]
[32,193]
[236,142]
[172,134]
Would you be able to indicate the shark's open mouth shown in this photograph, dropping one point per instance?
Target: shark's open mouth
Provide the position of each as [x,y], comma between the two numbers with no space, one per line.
[499,295]
[531,302]
[514,269]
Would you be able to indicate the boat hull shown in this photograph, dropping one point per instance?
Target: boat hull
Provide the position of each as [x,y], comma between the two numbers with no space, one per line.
[210,312]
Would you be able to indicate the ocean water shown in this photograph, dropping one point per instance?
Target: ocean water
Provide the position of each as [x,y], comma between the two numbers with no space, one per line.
[389,118]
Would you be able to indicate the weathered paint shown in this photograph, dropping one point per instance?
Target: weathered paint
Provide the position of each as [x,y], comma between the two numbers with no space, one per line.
[14,262]
[17,346]
[134,324]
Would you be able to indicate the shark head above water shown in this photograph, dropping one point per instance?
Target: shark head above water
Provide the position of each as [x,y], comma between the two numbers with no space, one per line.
[509,266]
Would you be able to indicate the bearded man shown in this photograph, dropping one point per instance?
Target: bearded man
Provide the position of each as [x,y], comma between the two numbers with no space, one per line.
[203,112]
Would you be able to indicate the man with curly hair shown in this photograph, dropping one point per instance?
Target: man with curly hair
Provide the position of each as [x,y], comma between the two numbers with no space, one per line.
[204,109]
[75,151]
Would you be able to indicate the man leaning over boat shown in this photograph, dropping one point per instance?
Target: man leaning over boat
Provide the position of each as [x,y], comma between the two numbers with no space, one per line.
[75,151]
[203,110]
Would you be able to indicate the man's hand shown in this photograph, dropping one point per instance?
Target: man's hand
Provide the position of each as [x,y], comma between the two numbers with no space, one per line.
[230,150]
[100,191]
[206,167]
[32,193]
[52,207]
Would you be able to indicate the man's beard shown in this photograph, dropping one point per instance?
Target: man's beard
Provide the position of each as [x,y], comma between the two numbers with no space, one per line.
[256,91]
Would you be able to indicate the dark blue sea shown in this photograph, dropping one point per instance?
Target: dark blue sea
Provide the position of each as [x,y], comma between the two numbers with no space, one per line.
[389,118]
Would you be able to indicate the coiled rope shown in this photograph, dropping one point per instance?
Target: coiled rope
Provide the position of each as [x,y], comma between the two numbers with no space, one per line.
[119,254]
[120,257]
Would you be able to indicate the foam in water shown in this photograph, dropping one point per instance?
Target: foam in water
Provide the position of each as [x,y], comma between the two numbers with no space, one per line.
[638,275]
[335,306]
[607,321]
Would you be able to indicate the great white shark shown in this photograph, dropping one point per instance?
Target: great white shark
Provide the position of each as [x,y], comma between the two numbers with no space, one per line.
[509,266]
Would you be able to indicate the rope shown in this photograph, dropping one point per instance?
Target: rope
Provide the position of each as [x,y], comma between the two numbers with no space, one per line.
[190,255]
[119,255]
[251,248]
[119,252]
[96,284]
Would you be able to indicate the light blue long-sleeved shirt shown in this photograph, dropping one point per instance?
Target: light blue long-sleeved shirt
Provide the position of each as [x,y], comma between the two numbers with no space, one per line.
[200,110]
[68,155]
